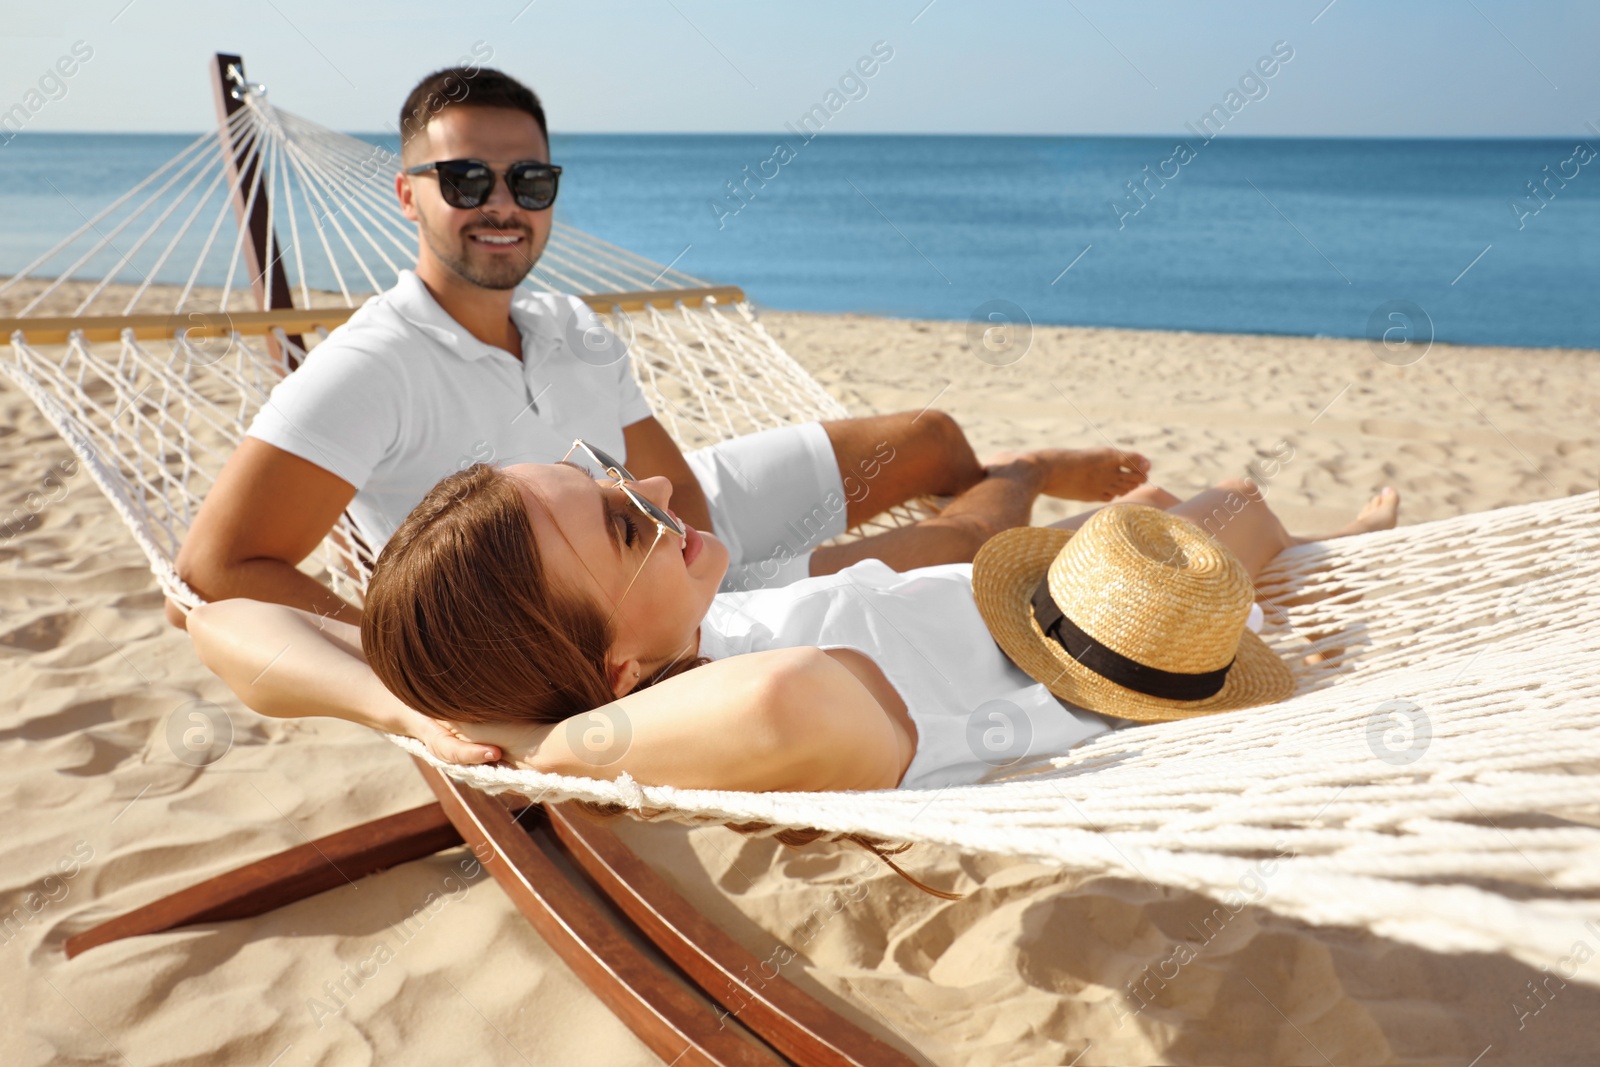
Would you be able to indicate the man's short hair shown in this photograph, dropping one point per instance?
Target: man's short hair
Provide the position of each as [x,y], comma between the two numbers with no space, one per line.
[466,86]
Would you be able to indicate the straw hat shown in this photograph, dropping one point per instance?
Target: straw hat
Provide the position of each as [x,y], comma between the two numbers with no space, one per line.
[1152,609]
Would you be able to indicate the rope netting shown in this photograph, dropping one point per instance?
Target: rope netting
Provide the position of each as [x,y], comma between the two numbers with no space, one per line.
[1436,777]
[333,224]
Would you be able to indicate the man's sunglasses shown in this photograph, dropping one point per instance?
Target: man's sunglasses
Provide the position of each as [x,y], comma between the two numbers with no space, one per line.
[600,466]
[468,183]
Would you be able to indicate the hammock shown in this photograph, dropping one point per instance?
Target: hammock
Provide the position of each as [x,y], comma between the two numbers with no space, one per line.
[1434,779]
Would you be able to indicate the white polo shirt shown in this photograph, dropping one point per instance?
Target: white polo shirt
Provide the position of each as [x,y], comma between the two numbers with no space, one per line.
[402,395]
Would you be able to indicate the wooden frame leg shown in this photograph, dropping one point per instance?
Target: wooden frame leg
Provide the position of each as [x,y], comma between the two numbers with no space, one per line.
[752,990]
[288,876]
[663,1010]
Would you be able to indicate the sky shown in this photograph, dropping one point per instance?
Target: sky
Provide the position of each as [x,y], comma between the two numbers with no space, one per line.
[1380,68]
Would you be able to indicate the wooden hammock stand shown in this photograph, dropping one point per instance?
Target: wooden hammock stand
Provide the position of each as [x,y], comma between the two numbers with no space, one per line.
[668,995]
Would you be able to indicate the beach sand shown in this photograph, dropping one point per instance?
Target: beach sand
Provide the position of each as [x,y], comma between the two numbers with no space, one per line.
[422,964]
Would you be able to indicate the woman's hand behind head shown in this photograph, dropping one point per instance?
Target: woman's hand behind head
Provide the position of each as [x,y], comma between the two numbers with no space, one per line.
[446,742]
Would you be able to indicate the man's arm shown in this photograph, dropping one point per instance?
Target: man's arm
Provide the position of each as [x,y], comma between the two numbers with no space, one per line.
[652,451]
[266,512]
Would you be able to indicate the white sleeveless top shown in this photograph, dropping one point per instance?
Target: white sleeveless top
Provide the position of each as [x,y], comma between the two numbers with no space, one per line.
[975,711]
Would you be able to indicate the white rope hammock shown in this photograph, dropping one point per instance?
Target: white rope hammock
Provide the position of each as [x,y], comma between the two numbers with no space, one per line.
[1436,779]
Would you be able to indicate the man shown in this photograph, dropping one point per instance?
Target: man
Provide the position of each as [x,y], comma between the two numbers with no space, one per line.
[456,365]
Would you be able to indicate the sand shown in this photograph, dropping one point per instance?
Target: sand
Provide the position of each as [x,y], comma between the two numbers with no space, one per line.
[422,965]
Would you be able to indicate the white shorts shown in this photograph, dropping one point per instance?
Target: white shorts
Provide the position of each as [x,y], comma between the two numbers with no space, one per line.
[774,496]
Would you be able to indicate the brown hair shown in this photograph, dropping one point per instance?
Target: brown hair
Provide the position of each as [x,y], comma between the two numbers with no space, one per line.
[469,86]
[462,623]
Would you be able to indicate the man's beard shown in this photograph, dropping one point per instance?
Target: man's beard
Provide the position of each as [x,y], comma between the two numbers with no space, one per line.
[495,271]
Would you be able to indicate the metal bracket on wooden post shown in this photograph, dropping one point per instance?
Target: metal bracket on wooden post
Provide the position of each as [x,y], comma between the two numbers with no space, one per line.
[263,254]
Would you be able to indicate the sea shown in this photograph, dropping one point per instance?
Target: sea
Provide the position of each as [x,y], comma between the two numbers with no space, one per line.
[1474,241]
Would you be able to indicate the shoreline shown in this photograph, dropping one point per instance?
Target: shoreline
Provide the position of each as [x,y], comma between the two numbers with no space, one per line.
[204,298]
[764,310]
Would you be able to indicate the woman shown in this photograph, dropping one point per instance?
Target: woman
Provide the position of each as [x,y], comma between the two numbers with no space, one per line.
[515,602]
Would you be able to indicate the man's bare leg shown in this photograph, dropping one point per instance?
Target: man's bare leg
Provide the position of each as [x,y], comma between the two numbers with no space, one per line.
[1001,499]
[886,460]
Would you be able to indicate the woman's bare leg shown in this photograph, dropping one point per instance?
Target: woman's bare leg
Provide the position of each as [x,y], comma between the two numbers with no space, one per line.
[1235,513]
[1380,513]
[1151,495]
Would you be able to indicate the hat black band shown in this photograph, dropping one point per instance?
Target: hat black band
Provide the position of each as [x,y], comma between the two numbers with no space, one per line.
[1113,665]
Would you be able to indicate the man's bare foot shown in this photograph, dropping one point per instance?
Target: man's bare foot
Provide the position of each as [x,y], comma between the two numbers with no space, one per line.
[1084,473]
[1380,513]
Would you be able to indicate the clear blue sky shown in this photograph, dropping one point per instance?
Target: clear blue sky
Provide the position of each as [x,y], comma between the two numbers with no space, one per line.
[1363,67]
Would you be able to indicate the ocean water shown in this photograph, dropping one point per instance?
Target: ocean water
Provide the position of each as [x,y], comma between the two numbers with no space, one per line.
[1290,236]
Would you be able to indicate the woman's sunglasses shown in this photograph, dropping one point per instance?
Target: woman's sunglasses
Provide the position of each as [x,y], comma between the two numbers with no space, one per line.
[599,466]
[468,183]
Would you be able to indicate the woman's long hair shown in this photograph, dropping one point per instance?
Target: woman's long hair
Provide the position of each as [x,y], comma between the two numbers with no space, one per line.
[462,623]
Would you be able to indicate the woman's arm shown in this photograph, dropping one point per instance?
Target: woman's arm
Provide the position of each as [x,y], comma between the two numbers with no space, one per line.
[785,719]
[289,663]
